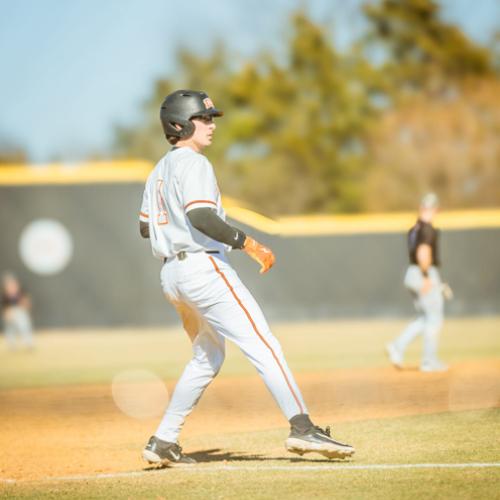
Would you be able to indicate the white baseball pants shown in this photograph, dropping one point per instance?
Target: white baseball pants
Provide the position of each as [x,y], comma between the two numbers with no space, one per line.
[215,305]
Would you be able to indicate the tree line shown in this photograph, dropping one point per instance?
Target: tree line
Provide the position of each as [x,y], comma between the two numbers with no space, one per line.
[411,106]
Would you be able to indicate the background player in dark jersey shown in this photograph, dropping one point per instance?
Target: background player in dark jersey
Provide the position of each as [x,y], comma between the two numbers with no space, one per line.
[424,282]
[16,313]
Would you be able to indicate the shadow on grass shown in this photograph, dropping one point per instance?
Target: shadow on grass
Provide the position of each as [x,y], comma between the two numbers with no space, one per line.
[218,455]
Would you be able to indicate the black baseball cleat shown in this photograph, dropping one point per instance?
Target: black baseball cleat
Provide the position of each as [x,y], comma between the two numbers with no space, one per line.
[163,452]
[318,440]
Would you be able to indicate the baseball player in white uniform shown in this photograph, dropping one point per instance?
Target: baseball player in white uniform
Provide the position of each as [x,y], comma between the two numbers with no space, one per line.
[183,218]
[423,281]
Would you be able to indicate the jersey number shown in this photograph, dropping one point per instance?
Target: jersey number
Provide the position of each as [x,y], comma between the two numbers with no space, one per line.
[162,206]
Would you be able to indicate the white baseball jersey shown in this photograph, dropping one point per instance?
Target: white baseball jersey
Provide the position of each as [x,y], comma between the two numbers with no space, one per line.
[181,181]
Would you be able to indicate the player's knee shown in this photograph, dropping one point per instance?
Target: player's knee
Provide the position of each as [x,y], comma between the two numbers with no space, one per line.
[216,362]
[435,319]
[433,325]
[209,364]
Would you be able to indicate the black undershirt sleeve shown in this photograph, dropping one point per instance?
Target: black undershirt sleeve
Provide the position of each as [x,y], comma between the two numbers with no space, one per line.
[426,236]
[209,223]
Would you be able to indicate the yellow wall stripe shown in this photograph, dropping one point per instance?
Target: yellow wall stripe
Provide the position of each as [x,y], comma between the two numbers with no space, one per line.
[318,225]
[312,225]
[75,173]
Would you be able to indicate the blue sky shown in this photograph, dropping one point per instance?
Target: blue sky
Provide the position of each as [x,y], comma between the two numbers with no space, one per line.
[70,69]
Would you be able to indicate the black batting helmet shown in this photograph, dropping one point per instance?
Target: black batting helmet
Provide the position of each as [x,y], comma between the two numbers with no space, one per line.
[182,105]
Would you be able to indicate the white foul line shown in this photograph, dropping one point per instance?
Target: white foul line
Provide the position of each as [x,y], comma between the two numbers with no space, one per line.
[236,468]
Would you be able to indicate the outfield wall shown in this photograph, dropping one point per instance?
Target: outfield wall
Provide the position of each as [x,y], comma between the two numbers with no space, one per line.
[111,278]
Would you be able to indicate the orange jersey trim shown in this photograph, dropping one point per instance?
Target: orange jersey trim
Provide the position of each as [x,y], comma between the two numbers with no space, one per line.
[254,326]
[200,201]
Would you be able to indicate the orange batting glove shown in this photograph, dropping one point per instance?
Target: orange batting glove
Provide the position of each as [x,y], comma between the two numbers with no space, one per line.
[263,255]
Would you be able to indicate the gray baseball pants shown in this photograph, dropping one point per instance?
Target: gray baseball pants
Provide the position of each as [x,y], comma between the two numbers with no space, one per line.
[429,308]
[18,329]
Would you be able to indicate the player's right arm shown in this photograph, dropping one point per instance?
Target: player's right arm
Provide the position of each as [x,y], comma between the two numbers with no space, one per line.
[144,214]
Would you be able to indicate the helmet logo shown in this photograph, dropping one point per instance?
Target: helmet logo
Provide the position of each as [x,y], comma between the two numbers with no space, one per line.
[208,103]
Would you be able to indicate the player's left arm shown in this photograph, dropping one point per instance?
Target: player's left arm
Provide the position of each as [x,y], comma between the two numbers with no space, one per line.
[424,257]
[209,223]
[205,220]
[200,191]
[144,229]
[424,260]
[25,301]
[447,291]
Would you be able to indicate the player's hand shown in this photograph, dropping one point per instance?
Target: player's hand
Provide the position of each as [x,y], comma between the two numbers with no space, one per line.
[263,255]
[446,291]
[426,286]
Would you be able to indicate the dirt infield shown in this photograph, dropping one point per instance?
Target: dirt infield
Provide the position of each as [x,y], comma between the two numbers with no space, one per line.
[79,430]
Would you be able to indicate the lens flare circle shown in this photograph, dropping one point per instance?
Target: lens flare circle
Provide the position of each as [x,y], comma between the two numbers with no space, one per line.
[45,246]
[139,394]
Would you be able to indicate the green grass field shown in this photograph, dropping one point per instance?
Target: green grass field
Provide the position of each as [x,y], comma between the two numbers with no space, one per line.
[411,457]
[96,356]
[451,438]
